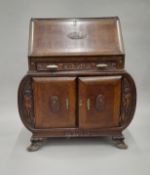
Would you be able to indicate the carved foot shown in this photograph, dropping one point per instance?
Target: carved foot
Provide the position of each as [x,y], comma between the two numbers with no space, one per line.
[119,142]
[36,144]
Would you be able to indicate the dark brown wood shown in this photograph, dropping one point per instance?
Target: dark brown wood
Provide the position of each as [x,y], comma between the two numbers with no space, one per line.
[99,103]
[54,102]
[77,63]
[76,85]
[50,37]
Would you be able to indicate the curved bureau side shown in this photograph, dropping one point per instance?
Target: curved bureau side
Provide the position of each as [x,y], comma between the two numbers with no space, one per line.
[128,104]
[25,102]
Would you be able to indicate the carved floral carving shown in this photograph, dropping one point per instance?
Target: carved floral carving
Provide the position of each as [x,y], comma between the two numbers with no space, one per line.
[80,132]
[77,66]
[126,99]
[28,102]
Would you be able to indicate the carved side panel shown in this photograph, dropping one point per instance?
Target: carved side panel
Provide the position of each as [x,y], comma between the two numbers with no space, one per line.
[128,100]
[27,102]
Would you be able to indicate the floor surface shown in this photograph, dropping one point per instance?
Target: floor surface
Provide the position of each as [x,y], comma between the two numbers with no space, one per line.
[75,156]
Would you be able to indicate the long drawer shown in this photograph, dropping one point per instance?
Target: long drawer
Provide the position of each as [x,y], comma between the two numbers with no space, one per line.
[76,65]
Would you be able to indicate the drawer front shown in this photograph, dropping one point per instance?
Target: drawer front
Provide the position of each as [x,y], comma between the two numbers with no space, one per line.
[78,66]
[78,63]
[99,101]
[54,102]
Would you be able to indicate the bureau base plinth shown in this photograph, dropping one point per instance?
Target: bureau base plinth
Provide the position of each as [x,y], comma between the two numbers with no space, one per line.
[38,142]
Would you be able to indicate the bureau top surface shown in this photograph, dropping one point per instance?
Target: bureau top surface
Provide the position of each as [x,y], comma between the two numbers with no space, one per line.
[75,36]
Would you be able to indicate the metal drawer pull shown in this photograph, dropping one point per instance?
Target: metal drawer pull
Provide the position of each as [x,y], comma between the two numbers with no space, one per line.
[67,104]
[101,66]
[52,67]
[88,104]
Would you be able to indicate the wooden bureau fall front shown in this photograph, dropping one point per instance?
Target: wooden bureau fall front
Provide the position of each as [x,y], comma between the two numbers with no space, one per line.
[76,85]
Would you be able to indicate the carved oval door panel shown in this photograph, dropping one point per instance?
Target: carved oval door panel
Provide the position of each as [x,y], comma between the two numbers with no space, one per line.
[100,102]
[100,96]
[54,102]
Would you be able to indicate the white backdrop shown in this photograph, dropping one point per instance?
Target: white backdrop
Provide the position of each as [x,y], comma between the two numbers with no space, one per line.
[73,156]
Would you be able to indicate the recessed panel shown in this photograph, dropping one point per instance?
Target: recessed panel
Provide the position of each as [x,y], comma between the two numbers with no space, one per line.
[99,101]
[54,102]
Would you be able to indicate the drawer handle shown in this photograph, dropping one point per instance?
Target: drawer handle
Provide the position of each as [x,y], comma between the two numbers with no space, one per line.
[52,67]
[102,66]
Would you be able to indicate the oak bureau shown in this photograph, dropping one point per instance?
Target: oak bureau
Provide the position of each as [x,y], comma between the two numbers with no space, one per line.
[76,85]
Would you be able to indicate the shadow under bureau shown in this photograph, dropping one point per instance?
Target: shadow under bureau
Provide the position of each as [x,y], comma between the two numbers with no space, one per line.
[76,85]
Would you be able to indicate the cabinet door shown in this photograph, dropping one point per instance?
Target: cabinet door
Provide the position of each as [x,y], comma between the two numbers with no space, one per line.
[54,102]
[99,101]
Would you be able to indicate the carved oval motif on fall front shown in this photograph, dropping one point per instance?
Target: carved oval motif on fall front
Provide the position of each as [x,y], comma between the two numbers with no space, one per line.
[99,105]
[54,104]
